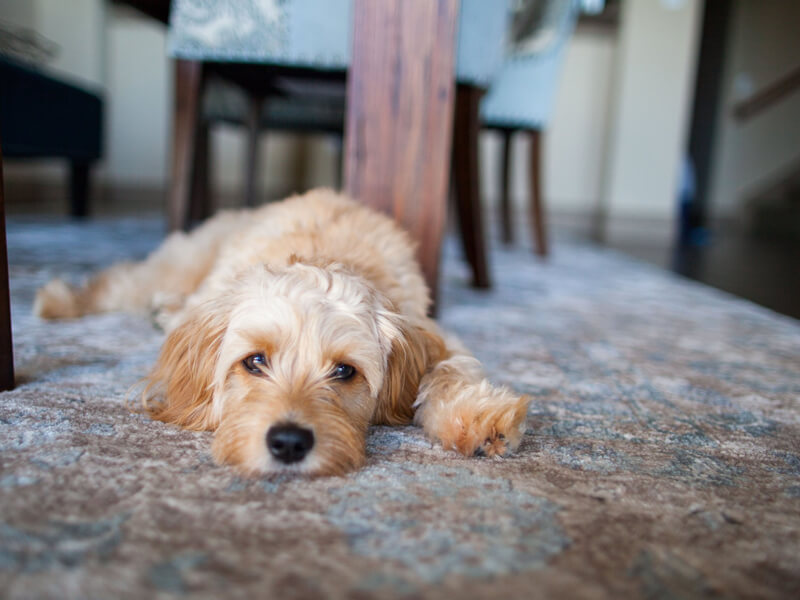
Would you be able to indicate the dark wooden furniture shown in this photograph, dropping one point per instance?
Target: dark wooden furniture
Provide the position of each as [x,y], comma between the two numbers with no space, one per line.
[42,116]
[190,199]
[537,221]
[6,350]
[466,179]
[466,182]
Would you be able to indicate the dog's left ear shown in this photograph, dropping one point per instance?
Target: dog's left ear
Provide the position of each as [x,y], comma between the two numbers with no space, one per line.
[180,388]
[415,348]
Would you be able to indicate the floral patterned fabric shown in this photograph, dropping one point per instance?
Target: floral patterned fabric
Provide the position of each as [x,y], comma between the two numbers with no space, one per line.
[314,34]
[661,458]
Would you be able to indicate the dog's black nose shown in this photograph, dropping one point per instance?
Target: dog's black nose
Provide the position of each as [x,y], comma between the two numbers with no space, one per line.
[289,443]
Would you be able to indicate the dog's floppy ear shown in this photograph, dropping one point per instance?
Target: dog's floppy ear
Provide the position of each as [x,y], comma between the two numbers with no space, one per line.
[180,388]
[415,350]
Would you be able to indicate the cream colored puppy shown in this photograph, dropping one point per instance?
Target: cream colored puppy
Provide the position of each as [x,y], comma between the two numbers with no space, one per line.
[293,327]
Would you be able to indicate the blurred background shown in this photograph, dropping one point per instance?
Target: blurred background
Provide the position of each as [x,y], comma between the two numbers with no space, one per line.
[674,136]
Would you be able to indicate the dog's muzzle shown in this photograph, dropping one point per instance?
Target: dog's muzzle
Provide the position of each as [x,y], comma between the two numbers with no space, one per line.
[289,443]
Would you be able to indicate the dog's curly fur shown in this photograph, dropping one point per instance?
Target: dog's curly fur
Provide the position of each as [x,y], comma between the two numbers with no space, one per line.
[308,285]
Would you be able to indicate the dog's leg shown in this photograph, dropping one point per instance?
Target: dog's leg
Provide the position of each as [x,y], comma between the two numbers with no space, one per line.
[158,284]
[459,407]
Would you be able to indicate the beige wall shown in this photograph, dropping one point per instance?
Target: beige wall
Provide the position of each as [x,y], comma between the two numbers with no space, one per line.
[653,87]
[763,45]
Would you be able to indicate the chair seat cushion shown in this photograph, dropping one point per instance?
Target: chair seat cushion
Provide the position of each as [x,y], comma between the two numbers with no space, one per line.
[317,35]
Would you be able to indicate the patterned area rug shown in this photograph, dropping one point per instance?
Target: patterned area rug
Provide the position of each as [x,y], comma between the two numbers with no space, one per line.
[661,460]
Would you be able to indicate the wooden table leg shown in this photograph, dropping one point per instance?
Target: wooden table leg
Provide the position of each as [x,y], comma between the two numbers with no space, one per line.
[399,115]
[6,349]
[188,95]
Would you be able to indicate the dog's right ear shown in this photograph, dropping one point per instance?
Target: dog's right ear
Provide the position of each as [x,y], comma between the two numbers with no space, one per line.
[180,388]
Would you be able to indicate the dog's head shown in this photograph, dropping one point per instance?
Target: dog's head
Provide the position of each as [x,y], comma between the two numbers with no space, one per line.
[290,367]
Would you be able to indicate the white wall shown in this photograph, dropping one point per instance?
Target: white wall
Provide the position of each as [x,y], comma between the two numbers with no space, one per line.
[76,26]
[763,45]
[653,88]
[19,13]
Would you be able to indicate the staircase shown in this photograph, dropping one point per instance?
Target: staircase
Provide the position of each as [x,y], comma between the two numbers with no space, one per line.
[774,211]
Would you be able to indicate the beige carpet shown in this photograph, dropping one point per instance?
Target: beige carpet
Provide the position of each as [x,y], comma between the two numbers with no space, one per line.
[662,457]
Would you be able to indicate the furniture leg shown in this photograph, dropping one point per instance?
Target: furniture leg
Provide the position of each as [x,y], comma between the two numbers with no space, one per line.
[399,116]
[6,348]
[201,203]
[506,220]
[467,182]
[339,160]
[538,225]
[188,93]
[79,188]
[251,158]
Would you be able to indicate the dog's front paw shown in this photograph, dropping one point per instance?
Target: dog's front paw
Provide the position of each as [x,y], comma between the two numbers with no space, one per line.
[495,445]
[479,420]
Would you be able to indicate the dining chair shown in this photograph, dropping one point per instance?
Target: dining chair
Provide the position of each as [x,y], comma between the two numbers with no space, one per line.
[522,96]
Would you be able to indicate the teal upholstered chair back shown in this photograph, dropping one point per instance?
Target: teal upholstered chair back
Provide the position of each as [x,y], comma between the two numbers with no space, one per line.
[522,94]
[316,34]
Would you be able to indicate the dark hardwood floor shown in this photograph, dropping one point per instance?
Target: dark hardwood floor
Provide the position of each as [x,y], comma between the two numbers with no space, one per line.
[763,270]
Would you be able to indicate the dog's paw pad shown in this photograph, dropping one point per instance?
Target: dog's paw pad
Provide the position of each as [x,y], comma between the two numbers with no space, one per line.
[493,446]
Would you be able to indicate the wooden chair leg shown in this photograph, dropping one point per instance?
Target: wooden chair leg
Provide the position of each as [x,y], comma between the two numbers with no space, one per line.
[538,225]
[201,204]
[399,116]
[339,142]
[467,182]
[506,222]
[6,349]
[188,95]
[79,188]
[251,158]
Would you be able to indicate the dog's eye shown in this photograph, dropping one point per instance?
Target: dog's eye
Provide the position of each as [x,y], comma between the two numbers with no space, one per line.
[255,363]
[343,372]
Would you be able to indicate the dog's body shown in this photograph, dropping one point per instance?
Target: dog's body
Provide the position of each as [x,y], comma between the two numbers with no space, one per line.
[292,328]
